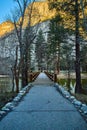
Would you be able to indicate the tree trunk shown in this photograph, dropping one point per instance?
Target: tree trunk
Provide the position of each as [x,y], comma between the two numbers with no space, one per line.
[23,74]
[25,68]
[23,78]
[86,68]
[58,62]
[17,83]
[12,79]
[16,71]
[78,87]
[16,76]
[68,68]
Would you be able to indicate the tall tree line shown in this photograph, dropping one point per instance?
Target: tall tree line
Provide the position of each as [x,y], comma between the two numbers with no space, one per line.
[74,8]
[56,36]
[40,50]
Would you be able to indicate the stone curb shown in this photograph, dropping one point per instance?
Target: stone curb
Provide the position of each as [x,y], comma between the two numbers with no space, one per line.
[82,108]
[10,105]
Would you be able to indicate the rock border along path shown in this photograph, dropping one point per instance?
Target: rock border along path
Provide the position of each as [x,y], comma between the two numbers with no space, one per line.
[82,108]
[11,105]
[43,108]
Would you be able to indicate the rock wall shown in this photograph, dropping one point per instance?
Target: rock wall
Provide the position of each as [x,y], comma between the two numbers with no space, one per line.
[7,52]
[8,45]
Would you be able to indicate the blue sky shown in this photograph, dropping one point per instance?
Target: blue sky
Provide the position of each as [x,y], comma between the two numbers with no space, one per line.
[5,8]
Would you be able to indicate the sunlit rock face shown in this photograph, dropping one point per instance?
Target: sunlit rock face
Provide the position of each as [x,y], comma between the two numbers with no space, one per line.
[44,26]
[8,39]
[40,13]
[7,52]
[6,27]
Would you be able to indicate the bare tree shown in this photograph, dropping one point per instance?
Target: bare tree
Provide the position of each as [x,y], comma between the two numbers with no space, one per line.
[19,29]
[25,37]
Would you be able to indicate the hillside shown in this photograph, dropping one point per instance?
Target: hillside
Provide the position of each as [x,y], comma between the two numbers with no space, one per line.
[40,13]
[6,27]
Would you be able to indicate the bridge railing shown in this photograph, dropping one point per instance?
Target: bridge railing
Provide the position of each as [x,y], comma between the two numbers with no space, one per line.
[33,76]
[52,76]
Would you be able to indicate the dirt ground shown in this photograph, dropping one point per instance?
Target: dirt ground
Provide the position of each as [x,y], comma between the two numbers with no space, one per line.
[72,75]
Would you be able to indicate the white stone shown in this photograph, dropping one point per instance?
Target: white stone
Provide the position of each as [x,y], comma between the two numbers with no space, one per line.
[2,112]
[78,103]
[84,108]
[85,112]
[16,99]
[72,98]
[5,109]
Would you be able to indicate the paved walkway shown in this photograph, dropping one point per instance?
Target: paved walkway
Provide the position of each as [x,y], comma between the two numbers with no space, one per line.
[43,80]
[43,108]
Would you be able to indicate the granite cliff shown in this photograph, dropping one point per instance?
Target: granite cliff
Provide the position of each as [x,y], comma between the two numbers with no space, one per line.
[40,13]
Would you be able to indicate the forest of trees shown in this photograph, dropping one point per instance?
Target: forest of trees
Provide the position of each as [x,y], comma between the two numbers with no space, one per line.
[76,9]
[65,47]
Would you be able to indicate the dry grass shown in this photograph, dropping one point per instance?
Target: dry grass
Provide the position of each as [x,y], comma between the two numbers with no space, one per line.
[72,75]
[6,97]
[81,97]
[62,77]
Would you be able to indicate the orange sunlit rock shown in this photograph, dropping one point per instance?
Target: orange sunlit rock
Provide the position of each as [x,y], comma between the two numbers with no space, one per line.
[6,27]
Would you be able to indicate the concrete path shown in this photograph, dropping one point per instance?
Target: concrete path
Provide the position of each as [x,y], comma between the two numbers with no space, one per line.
[43,108]
[43,80]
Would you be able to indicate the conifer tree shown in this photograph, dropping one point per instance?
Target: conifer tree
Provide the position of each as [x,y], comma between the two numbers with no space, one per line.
[74,8]
[57,34]
[41,50]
